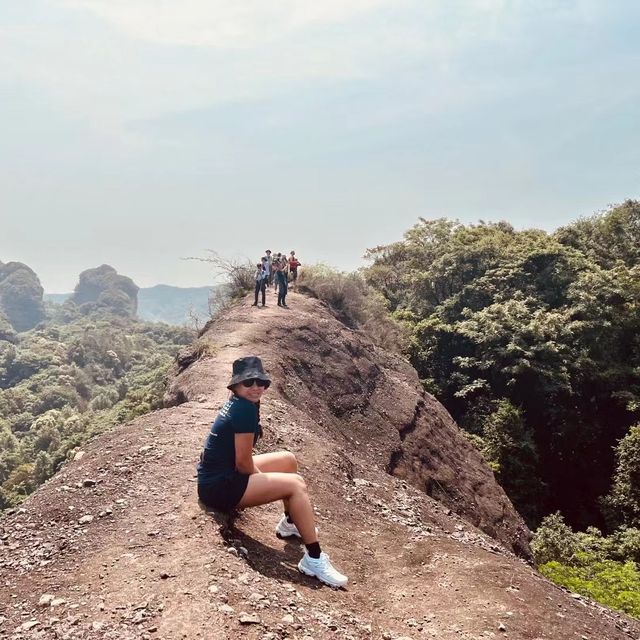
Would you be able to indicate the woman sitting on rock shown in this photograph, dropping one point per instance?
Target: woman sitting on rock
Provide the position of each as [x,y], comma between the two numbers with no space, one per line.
[230,476]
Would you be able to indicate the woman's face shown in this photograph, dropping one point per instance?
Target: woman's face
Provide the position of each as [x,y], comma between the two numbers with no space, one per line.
[252,393]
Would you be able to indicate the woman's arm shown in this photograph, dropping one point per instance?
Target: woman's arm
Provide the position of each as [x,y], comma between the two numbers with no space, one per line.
[244,453]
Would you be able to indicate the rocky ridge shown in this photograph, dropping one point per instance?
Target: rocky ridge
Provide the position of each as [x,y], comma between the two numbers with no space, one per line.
[21,304]
[104,287]
[116,545]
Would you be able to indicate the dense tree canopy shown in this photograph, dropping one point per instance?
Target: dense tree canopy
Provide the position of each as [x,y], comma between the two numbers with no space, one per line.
[532,341]
[71,378]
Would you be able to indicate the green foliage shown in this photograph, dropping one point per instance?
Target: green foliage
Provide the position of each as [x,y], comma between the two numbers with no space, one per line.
[511,452]
[601,567]
[613,584]
[65,382]
[7,332]
[607,237]
[547,322]
[624,498]
[554,540]
[354,302]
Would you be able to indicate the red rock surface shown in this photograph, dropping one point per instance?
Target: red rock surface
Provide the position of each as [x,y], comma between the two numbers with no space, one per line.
[150,563]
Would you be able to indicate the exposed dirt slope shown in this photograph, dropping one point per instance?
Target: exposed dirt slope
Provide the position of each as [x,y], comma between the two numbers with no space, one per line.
[369,403]
[149,563]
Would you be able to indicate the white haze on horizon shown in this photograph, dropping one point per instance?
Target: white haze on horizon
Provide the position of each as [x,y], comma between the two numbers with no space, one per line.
[138,132]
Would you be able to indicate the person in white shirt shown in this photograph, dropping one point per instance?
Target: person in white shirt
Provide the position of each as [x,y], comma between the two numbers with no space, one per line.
[261,283]
[269,267]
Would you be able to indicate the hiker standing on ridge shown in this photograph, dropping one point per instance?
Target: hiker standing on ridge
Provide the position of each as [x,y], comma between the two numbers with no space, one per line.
[293,267]
[261,283]
[269,269]
[276,266]
[230,476]
[282,281]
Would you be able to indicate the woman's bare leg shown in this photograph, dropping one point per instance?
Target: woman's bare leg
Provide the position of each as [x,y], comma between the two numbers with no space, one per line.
[271,486]
[283,461]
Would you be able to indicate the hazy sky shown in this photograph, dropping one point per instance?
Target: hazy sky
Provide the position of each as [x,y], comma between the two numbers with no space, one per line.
[136,132]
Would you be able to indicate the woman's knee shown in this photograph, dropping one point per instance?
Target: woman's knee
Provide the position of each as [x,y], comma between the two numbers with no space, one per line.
[299,485]
[290,461]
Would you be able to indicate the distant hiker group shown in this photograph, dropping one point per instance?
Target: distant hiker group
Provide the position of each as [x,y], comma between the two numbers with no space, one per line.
[277,271]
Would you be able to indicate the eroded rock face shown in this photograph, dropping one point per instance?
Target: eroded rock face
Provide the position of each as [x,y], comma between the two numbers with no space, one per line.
[375,398]
[104,288]
[370,400]
[20,296]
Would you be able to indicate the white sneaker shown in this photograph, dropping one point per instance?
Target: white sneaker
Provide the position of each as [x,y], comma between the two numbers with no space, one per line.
[286,529]
[322,569]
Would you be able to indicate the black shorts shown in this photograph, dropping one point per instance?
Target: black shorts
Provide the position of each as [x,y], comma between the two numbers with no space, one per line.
[224,494]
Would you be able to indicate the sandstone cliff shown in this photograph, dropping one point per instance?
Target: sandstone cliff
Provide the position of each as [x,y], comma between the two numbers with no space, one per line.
[115,546]
[20,296]
[104,288]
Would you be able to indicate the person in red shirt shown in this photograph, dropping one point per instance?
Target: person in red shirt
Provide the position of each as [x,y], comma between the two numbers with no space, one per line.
[294,263]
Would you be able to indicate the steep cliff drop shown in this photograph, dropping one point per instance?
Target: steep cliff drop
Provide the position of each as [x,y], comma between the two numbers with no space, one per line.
[116,546]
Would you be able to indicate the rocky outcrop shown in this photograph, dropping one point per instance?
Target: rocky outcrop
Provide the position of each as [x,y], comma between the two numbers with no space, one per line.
[103,288]
[20,296]
[371,399]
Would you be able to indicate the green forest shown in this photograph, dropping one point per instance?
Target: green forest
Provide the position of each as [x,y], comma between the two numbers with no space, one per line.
[532,342]
[76,374]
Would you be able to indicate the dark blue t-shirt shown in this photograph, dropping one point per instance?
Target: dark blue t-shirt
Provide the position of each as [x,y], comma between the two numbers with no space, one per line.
[218,460]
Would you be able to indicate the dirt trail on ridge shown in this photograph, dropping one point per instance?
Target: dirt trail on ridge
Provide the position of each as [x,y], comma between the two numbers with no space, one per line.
[118,537]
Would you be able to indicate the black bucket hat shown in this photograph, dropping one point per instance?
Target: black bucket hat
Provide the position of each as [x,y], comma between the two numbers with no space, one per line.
[247,368]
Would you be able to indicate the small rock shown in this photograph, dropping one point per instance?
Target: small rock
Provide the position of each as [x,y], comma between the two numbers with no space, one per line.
[249,618]
[214,588]
[85,519]
[232,550]
[164,575]
[79,455]
[45,600]
[138,617]
[58,602]
[288,619]
[502,628]
[27,626]
[225,608]
[88,483]
[244,552]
